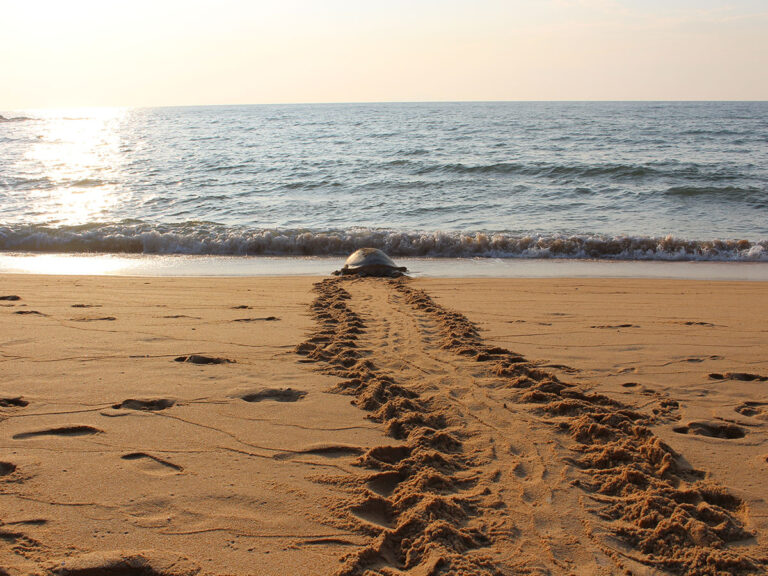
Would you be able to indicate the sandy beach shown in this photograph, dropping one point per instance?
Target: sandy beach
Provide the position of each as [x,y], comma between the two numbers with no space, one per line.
[301,425]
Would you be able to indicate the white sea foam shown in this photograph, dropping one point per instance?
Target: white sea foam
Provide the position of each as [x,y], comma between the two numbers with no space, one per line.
[213,239]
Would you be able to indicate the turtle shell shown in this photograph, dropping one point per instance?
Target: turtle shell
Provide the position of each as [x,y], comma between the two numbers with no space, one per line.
[370,262]
[368,257]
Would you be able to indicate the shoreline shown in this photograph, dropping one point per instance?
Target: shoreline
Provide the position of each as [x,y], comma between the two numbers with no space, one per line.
[118,447]
[184,266]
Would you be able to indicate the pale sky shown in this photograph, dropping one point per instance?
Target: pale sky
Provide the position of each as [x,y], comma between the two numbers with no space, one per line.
[68,53]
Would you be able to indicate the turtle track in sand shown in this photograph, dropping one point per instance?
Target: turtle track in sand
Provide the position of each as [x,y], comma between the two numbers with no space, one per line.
[490,450]
[419,501]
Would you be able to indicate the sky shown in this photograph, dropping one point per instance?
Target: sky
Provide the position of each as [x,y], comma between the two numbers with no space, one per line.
[75,53]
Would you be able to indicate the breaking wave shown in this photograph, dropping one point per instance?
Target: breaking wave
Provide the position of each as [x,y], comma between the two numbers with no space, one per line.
[205,238]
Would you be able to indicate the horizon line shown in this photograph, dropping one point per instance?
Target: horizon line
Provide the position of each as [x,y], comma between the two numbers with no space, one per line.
[362,102]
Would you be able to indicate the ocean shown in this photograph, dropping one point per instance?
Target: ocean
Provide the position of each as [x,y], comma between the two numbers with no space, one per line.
[497,181]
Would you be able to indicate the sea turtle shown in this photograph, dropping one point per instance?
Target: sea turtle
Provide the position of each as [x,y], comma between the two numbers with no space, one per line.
[370,262]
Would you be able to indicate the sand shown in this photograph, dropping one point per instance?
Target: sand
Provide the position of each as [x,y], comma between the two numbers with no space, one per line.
[343,426]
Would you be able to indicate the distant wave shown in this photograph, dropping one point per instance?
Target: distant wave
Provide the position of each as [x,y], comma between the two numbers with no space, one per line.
[20,183]
[611,170]
[214,239]
[622,172]
[15,119]
[721,192]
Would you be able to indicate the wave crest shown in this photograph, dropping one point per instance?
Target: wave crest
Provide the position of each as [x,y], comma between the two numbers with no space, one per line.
[206,238]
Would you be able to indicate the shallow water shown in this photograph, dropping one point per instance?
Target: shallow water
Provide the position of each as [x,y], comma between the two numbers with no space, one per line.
[230,266]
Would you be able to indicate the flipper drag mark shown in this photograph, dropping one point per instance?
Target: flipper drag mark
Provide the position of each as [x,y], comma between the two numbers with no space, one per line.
[654,503]
[450,497]
[417,499]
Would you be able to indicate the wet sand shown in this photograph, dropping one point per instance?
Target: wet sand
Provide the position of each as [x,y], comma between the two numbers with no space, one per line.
[495,426]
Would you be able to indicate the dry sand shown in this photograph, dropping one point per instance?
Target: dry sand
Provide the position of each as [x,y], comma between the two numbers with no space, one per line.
[263,426]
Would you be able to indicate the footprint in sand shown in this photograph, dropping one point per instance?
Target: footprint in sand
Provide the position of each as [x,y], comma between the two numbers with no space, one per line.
[86,305]
[742,376]
[265,319]
[610,326]
[276,394]
[667,408]
[325,450]
[333,450]
[712,430]
[30,522]
[15,402]
[30,312]
[753,409]
[200,359]
[97,319]
[124,563]
[10,298]
[696,359]
[7,468]
[148,404]
[80,430]
[152,464]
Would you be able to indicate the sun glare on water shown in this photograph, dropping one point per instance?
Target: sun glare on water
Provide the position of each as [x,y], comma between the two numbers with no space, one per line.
[77,159]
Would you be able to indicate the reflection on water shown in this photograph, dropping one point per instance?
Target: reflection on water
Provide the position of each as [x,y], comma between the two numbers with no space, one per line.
[185,266]
[64,264]
[172,265]
[77,160]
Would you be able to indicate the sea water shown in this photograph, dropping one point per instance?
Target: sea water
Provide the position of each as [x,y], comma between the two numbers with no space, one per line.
[496,182]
